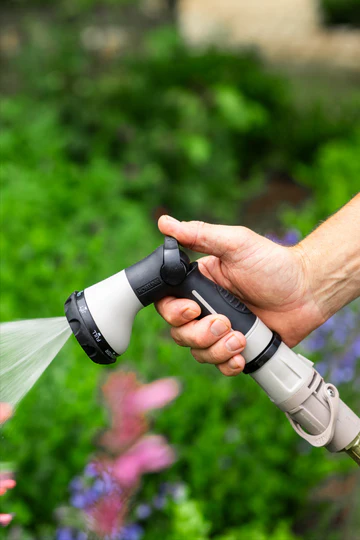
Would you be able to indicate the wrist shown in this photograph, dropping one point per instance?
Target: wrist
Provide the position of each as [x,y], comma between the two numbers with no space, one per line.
[331,265]
[312,299]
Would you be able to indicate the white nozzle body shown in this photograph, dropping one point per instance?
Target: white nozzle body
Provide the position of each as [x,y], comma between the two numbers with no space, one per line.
[113,306]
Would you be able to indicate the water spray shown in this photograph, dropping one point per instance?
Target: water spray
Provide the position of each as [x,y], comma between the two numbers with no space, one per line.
[101,318]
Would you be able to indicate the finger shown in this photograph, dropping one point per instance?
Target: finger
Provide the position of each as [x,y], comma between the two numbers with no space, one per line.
[219,240]
[211,268]
[177,311]
[224,349]
[232,367]
[202,334]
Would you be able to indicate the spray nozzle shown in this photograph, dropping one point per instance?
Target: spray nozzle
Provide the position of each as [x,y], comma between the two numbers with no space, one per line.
[101,316]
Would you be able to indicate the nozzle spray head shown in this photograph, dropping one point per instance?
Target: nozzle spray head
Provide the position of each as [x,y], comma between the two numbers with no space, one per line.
[101,316]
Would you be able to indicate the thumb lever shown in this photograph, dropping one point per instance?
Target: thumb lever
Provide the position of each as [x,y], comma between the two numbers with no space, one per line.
[173,271]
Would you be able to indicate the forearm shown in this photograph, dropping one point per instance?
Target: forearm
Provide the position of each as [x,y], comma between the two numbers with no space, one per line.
[331,255]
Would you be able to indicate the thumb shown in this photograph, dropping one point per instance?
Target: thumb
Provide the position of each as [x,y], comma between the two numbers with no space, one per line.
[218,240]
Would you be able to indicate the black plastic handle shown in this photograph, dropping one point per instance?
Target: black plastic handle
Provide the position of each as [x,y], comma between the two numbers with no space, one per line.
[214,299]
[168,272]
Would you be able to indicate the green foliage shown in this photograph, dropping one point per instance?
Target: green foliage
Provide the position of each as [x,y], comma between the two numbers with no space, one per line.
[334,180]
[181,127]
[282,531]
[67,7]
[167,119]
[341,12]
[188,522]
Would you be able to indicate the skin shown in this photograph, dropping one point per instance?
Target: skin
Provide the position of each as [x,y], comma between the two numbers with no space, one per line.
[292,289]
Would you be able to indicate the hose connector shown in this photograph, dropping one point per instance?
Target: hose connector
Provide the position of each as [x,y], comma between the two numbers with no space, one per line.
[353,449]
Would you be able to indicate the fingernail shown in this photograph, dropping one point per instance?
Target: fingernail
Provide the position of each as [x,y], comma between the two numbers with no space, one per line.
[236,362]
[169,218]
[219,327]
[189,314]
[233,344]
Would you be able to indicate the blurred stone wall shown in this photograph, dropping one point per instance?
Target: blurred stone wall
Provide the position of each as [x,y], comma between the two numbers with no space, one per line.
[284,30]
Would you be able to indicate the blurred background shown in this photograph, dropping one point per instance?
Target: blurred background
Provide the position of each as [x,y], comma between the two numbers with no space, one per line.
[114,112]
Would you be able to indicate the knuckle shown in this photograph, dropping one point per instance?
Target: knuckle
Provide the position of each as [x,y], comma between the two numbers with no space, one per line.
[216,355]
[162,305]
[175,334]
[197,355]
[199,225]
[200,340]
[170,318]
[228,371]
[224,370]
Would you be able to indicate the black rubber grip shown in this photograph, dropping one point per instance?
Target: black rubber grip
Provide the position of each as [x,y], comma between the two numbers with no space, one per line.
[167,271]
[148,283]
[213,298]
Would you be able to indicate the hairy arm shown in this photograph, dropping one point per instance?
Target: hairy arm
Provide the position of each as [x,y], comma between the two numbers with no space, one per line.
[331,255]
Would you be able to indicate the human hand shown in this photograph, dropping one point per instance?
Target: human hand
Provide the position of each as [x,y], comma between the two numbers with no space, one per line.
[272,280]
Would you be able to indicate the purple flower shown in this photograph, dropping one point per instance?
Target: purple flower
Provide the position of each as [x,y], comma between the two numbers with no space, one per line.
[348,360]
[349,318]
[337,376]
[91,470]
[99,487]
[356,348]
[143,511]
[66,533]
[329,324]
[338,342]
[322,368]
[91,497]
[76,484]
[159,501]
[178,491]
[340,335]
[291,237]
[79,500]
[347,374]
[315,342]
[131,532]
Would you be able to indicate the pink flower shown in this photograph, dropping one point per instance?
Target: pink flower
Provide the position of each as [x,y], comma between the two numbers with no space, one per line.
[128,400]
[149,454]
[128,453]
[155,395]
[6,479]
[107,516]
[5,519]
[6,482]
[127,424]
[6,411]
